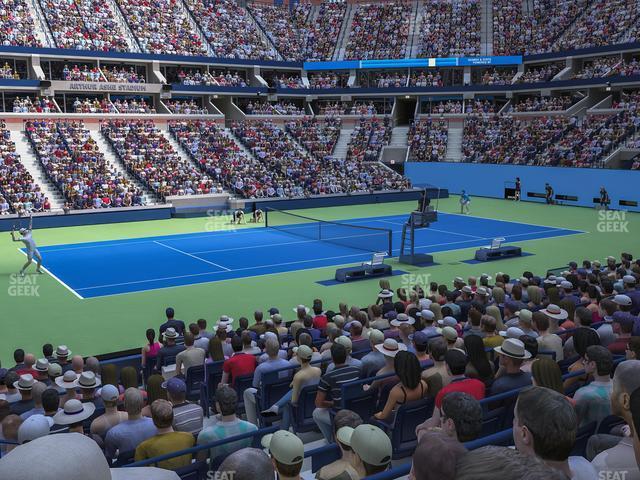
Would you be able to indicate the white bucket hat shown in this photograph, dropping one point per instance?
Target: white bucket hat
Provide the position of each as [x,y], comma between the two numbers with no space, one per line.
[390,347]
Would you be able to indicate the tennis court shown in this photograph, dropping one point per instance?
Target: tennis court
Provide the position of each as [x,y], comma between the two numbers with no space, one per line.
[290,243]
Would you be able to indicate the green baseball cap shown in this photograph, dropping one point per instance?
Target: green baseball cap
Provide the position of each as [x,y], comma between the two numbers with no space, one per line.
[370,443]
[304,352]
[345,342]
[285,447]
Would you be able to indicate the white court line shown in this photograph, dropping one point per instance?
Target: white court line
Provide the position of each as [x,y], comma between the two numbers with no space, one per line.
[56,278]
[192,256]
[285,263]
[507,221]
[435,230]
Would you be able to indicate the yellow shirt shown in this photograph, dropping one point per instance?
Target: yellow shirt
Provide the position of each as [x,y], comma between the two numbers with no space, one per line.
[493,341]
[166,443]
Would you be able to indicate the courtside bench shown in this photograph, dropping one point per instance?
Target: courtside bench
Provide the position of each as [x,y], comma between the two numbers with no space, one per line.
[362,271]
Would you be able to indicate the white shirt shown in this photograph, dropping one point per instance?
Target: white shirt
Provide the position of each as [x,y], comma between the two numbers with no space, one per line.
[28,241]
[581,469]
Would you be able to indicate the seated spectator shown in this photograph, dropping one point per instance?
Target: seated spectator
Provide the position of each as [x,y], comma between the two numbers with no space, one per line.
[437,376]
[411,387]
[226,424]
[287,453]
[619,457]
[546,373]
[239,364]
[189,357]
[371,446]
[166,440]
[74,414]
[547,342]
[248,464]
[329,388]
[24,386]
[479,366]
[512,354]
[36,394]
[187,416]
[456,362]
[128,434]
[593,400]
[545,425]
[34,427]
[347,466]
[111,417]
[435,456]
[170,348]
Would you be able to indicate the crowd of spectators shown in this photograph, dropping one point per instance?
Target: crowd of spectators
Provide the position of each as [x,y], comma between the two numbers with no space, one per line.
[379,30]
[328,80]
[318,137]
[84,25]
[333,108]
[543,73]
[162,27]
[428,78]
[95,105]
[598,67]
[561,351]
[439,107]
[220,156]
[449,29]
[122,75]
[427,140]
[149,156]
[34,105]
[479,107]
[84,74]
[7,73]
[368,137]
[628,100]
[384,80]
[603,23]
[185,107]
[285,81]
[321,35]
[285,27]
[19,193]
[495,76]
[229,30]
[543,104]
[17,27]
[75,165]
[133,105]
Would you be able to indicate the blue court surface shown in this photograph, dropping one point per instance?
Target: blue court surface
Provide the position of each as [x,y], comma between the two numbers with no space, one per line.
[126,266]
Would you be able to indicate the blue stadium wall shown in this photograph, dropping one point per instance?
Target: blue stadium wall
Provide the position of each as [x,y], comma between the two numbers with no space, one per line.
[485,180]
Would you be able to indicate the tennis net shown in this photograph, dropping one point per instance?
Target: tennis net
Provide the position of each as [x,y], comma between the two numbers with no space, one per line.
[358,237]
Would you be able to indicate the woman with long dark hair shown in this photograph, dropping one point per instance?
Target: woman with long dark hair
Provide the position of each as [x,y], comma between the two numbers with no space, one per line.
[411,386]
[479,366]
[150,350]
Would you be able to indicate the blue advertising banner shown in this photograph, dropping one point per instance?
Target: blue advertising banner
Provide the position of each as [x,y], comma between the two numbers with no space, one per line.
[414,63]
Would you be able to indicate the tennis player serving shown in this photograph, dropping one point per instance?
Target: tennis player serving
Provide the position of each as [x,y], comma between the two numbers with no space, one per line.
[30,244]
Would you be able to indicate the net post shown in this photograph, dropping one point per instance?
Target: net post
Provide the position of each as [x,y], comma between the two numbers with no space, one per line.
[390,234]
[266,217]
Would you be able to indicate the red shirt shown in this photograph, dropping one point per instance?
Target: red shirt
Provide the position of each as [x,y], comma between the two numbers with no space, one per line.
[472,386]
[320,322]
[619,347]
[238,365]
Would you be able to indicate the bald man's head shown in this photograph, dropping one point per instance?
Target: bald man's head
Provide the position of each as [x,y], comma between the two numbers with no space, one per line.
[248,464]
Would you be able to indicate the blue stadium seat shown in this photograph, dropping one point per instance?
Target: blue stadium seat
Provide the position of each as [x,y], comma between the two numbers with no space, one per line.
[194,378]
[582,437]
[273,387]
[403,428]
[241,384]
[501,439]
[302,413]
[323,456]
[195,471]
[360,354]
[124,458]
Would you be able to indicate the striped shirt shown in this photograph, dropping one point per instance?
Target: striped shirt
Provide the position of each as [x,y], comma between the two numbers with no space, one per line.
[188,417]
[330,382]
[593,402]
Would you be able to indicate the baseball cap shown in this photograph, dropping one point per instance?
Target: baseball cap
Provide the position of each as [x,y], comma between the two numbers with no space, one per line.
[623,300]
[109,393]
[448,322]
[175,385]
[345,342]
[371,444]
[420,338]
[425,303]
[512,332]
[629,279]
[55,370]
[284,446]
[35,426]
[428,314]
[376,336]
[304,352]
[450,333]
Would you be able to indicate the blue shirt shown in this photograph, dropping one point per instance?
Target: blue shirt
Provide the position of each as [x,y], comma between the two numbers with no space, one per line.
[269,366]
[371,363]
[220,430]
[126,436]
[510,381]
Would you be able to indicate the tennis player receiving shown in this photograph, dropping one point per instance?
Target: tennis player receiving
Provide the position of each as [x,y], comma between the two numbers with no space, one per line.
[30,244]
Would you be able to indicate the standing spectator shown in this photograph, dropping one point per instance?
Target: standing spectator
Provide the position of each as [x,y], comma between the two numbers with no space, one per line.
[545,426]
[226,424]
[239,364]
[593,401]
[287,453]
[127,435]
[187,416]
[190,356]
[329,389]
[165,441]
[177,325]
[512,355]
[111,416]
